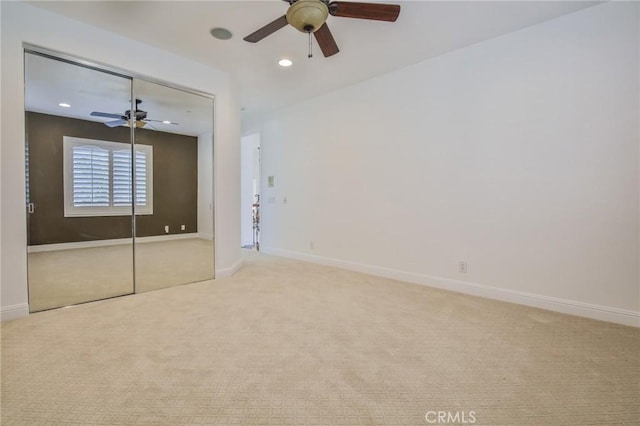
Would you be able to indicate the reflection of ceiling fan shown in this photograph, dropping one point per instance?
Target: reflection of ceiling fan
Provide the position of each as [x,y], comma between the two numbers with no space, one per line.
[125,119]
[309,16]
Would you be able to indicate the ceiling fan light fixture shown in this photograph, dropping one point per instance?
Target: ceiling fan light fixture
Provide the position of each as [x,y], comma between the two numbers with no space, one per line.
[139,124]
[307,16]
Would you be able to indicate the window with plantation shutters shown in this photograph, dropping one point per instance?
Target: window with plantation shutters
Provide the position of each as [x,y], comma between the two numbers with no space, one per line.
[99,178]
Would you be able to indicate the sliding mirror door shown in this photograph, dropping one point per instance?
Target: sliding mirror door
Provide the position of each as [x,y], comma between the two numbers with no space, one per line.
[78,182]
[173,187]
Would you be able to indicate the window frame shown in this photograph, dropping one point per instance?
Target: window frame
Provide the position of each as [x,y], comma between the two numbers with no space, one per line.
[70,210]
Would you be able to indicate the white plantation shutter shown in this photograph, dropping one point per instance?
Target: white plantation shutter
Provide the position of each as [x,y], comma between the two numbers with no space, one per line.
[142,173]
[26,171]
[144,179]
[98,178]
[122,177]
[90,176]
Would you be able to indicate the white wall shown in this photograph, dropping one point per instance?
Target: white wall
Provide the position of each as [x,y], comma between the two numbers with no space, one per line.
[518,155]
[24,23]
[248,176]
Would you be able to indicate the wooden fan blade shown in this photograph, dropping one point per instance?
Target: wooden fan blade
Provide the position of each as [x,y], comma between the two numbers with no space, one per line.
[267,30]
[115,123]
[326,41]
[375,11]
[105,114]
[159,121]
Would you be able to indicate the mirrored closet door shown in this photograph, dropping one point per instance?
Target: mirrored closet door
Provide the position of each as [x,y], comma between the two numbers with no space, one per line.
[119,184]
[79,239]
[174,229]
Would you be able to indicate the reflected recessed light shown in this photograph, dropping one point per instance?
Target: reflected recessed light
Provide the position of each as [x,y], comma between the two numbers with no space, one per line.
[285,62]
[64,105]
[221,33]
[166,122]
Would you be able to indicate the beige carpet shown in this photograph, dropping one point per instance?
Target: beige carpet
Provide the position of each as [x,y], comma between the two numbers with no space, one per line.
[290,343]
[67,277]
[170,263]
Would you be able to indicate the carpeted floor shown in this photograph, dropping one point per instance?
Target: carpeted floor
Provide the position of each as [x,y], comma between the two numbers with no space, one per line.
[289,343]
[67,277]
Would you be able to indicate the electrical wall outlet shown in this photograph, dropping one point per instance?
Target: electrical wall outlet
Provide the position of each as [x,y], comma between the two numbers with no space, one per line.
[183,227]
[462,267]
[166,229]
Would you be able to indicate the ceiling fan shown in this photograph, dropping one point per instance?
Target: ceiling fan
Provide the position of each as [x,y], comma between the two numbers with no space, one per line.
[310,16]
[139,115]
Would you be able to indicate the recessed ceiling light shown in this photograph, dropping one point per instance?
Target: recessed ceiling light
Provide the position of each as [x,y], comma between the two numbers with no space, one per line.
[166,122]
[64,105]
[285,62]
[221,33]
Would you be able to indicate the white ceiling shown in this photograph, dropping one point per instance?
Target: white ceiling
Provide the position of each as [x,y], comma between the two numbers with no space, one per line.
[50,82]
[423,30]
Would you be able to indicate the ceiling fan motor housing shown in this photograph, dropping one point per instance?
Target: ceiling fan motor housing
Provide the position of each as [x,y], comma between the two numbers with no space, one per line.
[139,114]
[307,16]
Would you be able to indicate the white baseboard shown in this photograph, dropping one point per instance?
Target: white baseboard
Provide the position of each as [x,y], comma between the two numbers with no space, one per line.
[565,306]
[205,236]
[227,272]
[14,312]
[112,242]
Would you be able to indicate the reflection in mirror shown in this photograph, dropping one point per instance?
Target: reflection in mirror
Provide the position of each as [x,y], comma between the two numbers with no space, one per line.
[174,187]
[78,183]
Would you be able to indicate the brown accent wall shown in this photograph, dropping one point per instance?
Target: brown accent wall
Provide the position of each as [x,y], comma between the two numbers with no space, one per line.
[175,182]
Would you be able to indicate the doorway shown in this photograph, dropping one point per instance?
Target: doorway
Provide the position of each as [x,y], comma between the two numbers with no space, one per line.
[250,188]
[119,183]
